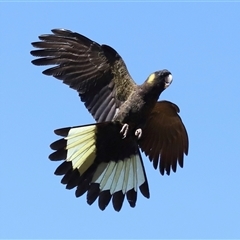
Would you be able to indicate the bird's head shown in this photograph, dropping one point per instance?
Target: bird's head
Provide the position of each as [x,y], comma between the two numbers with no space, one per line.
[161,79]
[156,83]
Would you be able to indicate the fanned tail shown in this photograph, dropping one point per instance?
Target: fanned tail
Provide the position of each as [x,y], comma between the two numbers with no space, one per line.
[98,161]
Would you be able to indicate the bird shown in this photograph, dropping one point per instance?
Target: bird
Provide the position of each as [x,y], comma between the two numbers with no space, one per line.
[104,159]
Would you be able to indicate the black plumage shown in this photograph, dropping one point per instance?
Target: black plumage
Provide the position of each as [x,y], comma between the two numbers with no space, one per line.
[103,159]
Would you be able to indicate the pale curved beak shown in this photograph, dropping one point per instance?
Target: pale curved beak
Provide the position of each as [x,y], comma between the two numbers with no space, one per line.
[168,80]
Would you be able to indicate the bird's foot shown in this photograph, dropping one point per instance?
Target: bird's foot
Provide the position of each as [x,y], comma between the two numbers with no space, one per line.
[138,133]
[124,130]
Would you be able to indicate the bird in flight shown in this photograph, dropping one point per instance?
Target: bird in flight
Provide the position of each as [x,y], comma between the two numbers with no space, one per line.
[103,159]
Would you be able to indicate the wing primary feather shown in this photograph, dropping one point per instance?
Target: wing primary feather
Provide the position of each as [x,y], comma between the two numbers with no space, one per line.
[102,108]
[104,98]
[111,113]
[106,111]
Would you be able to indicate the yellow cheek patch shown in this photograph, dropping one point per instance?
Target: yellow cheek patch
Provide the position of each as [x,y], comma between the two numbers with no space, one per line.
[151,78]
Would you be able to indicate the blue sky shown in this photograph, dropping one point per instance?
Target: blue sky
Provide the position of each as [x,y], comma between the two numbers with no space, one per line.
[199,44]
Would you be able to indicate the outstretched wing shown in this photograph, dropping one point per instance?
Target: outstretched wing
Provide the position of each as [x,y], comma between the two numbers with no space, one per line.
[96,71]
[165,139]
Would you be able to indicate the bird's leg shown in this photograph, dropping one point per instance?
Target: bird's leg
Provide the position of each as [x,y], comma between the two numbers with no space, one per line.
[124,130]
[138,133]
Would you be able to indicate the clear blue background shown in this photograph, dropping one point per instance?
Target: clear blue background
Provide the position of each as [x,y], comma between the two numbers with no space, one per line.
[200,44]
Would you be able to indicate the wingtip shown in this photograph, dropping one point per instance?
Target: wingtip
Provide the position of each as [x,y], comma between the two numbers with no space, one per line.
[34,62]
[58,31]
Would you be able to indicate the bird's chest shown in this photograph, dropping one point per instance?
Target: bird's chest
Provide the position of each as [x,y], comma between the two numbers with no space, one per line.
[135,110]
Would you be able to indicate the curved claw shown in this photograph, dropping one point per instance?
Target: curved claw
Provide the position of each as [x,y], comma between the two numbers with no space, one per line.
[124,130]
[138,133]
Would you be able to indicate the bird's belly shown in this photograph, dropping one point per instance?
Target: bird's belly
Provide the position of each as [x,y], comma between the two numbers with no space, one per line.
[134,113]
